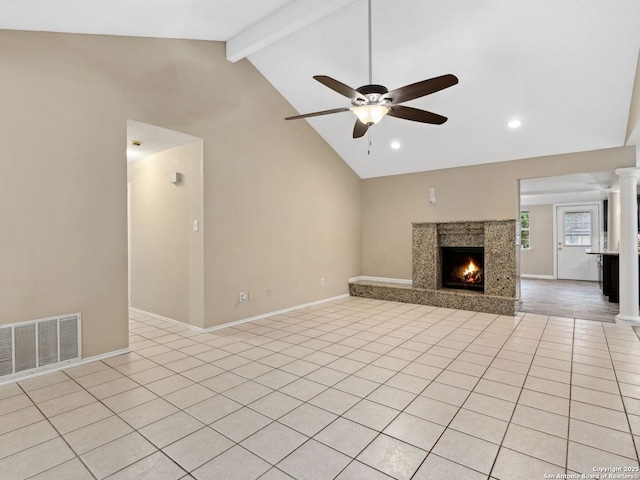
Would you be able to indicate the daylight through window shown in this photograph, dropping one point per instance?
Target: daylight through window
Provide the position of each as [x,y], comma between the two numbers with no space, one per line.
[525,238]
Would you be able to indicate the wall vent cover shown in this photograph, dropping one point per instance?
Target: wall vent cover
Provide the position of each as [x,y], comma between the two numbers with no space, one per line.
[29,347]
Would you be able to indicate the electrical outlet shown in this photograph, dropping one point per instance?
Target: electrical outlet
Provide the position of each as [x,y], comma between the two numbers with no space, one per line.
[322,282]
[243,297]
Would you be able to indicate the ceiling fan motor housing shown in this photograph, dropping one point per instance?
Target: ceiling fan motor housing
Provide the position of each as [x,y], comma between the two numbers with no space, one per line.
[373,93]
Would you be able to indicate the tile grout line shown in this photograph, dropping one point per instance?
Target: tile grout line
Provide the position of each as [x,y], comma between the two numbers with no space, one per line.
[363,398]
[57,431]
[369,330]
[509,423]
[603,324]
[136,430]
[351,458]
[300,377]
[624,405]
[354,458]
[272,420]
[573,342]
[98,400]
[418,395]
[471,391]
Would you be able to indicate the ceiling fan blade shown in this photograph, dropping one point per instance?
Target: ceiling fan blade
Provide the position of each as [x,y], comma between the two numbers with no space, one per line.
[317,114]
[359,129]
[420,89]
[339,87]
[416,115]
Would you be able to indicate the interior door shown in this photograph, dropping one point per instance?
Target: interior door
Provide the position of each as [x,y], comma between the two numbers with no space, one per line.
[578,230]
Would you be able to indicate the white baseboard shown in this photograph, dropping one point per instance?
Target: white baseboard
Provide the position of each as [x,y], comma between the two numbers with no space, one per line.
[237,322]
[74,363]
[541,277]
[167,319]
[367,278]
[277,312]
[71,363]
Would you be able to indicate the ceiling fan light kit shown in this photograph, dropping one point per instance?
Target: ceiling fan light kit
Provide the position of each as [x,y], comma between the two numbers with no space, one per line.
[370,114]
[371,103]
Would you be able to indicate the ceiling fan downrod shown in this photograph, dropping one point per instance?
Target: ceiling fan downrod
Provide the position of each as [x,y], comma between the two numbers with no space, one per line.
[370,49]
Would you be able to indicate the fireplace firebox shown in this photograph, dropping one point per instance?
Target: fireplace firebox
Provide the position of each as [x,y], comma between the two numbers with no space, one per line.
[463,268]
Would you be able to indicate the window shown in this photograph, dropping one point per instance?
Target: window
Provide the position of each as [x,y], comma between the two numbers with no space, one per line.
[577,228]
[525,238]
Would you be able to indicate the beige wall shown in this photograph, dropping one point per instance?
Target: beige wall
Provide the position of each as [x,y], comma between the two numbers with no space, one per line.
[480,192]
[282,209]
[166,255]
[63,242]
[539,259]
[634,108]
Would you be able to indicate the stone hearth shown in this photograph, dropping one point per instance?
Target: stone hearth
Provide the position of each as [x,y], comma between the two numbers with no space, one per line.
[498,237]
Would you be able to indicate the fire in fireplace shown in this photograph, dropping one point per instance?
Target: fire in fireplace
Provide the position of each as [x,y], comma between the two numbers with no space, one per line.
[463,267]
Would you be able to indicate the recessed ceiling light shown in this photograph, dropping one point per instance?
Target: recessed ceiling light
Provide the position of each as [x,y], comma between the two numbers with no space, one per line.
[514,124]
[395,145]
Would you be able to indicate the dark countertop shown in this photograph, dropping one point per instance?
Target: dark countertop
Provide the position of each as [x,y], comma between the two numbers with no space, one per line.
[605,252]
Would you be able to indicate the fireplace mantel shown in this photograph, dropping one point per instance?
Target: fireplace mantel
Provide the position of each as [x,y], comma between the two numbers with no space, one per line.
[498,237]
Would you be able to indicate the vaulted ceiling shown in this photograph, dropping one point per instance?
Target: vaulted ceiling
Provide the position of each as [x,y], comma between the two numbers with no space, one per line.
[564,68]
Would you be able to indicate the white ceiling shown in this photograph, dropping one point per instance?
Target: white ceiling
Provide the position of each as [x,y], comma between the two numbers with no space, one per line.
[193,19]
[144,140]
[576,188]
[565,68]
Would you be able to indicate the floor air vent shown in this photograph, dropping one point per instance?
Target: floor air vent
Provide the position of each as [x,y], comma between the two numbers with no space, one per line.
[27,347]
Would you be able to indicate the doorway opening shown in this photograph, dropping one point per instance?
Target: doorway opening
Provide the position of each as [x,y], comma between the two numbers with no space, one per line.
[165,228]
[565,215]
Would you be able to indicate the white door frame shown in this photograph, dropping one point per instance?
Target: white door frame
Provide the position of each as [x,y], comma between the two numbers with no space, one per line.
[598,203]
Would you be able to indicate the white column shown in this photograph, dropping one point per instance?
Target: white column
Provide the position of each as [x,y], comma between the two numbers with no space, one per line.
[628,294]
[613,215]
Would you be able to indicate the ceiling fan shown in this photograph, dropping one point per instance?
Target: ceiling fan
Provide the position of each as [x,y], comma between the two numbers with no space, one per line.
[370,103]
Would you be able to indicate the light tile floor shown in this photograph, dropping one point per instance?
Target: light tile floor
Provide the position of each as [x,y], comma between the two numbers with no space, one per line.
[350,389]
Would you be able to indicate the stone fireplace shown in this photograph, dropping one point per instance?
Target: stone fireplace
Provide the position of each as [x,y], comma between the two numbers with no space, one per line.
[491,286]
